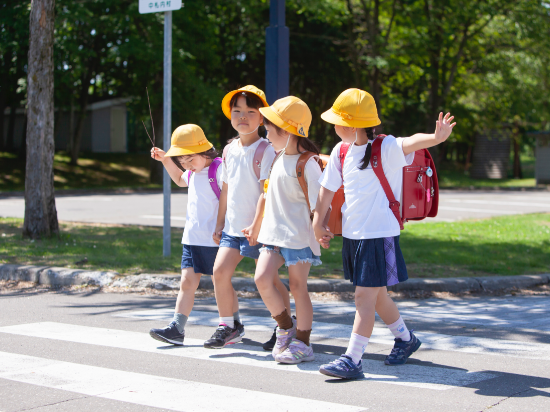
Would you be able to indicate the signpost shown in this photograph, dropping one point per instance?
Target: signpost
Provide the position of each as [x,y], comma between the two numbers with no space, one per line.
[276,53]
[166,6]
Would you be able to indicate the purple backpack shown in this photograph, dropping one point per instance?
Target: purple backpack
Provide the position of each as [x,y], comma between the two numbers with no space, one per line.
[211,176]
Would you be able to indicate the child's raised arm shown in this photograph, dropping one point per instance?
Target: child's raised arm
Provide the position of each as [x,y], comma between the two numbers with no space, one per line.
[175,173]
[443,129]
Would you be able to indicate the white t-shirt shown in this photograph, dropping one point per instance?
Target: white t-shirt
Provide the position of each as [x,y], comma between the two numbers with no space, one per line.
[202,208]
[286,220]
[243,187]
[366,213]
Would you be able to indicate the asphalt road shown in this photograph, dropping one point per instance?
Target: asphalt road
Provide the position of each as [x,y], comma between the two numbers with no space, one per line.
[146,209]
[91,352]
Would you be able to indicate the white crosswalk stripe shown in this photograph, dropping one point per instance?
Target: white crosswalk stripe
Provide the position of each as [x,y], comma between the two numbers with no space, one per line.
[408,375]
[149,390]
[436,341]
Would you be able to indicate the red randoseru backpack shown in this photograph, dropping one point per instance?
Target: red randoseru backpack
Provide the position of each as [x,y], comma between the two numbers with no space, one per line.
[419,195]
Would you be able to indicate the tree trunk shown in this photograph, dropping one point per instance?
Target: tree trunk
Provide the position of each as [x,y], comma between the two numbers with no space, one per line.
[40,212]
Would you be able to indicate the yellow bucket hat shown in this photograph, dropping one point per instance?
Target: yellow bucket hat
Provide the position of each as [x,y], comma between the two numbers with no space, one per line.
[353,108]
[290,114]
[188,139]
[250,89]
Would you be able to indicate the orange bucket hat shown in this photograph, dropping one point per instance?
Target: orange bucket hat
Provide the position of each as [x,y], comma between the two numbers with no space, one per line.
[249,89]
[353,108]
[188,139]
[289,113]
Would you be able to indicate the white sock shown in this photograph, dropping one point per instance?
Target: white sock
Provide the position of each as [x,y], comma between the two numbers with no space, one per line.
[356,347]
[399,330]
[229,321]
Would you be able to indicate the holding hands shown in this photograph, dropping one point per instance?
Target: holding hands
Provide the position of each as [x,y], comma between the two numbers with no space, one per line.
[323,235]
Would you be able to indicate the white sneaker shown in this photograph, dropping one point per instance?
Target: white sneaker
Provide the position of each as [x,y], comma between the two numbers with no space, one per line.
[296,352]
[284,337]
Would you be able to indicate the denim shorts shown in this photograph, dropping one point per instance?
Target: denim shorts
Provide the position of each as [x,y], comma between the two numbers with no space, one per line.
[294,256]
[200,258]
[241,244]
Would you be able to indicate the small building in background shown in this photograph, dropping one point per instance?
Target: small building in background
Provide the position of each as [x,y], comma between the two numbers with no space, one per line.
[542,157]
[105,127]
[491,155]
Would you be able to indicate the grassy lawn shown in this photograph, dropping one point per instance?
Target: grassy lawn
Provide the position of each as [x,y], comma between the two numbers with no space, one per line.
[509,245]
[94,171]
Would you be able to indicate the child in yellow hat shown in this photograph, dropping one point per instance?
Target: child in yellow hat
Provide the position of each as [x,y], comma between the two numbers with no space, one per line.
[370,253]
[191,150]
[246,163]
[286,230]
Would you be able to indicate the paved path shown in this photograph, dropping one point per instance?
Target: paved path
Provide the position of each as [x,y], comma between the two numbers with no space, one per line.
[74,352]
[146,209]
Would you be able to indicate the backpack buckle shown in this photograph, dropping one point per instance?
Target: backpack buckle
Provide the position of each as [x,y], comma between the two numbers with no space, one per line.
[211,180]
[395,205]
[375,161]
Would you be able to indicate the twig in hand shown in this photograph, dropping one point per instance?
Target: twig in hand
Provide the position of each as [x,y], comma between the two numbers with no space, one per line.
[148,134]
[151,114]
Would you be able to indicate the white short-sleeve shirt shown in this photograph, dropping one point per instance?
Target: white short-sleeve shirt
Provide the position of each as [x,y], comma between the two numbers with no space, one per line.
[287,220]
[366,213]
[243,187]
[202,208]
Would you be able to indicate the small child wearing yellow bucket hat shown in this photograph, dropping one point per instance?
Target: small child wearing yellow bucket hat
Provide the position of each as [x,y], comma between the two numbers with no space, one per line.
[286,230]
[371,254]
[246,163]
[191,150]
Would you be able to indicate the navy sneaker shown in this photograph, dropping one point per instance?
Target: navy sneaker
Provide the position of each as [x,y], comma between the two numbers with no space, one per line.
[240,327]
[271,342]
[343,368]
[402,350]
[170,334]
[223,336]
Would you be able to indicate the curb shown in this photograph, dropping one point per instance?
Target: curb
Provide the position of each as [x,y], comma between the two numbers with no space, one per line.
[57,277]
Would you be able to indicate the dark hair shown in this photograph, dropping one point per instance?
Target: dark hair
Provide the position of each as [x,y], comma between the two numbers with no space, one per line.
[302,142]
[251,101]
[209,154]
[366,159]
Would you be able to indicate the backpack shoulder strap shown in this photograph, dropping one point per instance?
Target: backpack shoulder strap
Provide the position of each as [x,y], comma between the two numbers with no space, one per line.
[212,171]
[376,162]
[344,147]
[301,171]
[258,156]
[189,177]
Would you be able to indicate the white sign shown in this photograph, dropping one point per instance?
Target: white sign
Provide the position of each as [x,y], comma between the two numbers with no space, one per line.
[155,6]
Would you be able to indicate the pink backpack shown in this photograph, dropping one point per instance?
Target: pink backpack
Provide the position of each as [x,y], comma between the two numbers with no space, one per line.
[211,176]
[258,156]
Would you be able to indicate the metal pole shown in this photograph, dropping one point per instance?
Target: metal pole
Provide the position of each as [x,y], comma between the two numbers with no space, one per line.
[167,127]
[277,48]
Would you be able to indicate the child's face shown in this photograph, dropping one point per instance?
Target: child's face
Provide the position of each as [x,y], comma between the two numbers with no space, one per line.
[347,134]
[194,163]
[278,141]
[244,119]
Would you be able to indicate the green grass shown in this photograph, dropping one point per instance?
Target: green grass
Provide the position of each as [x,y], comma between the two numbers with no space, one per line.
[509,245]
[94,171]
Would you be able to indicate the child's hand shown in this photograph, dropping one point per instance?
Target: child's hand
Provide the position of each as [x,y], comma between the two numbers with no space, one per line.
[443,127]
[217,235]
[250,235]
[323,235]
[158,154]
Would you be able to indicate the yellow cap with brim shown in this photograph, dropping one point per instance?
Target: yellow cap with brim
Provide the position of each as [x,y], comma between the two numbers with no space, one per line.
[353,108]
[249,89]
[187,140]
[290,114]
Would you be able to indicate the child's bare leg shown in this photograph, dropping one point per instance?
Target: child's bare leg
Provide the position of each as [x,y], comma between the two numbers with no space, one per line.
[186,296]
[386,307]
[267,270]
[284,292]
[297,275]
[224,267]
[365,303]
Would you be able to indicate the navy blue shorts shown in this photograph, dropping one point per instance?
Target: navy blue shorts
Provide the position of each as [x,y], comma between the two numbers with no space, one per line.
[200,258]
[241,244]
[373,262]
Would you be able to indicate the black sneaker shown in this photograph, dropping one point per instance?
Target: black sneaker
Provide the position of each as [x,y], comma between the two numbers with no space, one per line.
[223,336]
[170,334]
[271,342]
[402,350]
[240,327]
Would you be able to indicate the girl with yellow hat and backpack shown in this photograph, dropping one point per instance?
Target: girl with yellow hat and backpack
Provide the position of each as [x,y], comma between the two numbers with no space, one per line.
[371,255]
[190,150]
[246,163]
[286,231]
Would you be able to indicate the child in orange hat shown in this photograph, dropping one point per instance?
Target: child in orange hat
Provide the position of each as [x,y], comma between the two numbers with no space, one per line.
[191,150]
[286,231]
[246,163]
[371,255]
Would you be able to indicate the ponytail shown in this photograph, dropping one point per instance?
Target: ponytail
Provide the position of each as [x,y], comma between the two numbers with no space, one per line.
[366,159]
[307,145]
